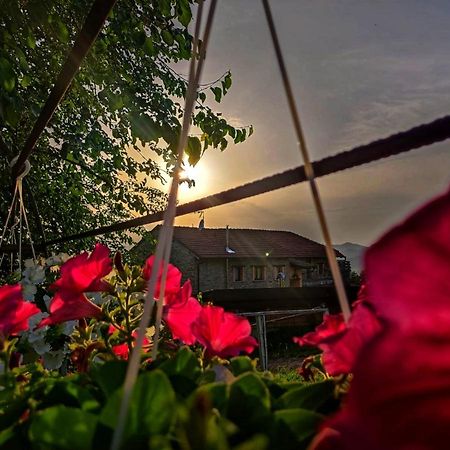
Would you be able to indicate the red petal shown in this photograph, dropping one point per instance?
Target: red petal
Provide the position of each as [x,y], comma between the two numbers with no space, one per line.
[173,280]
[67,305]
[83,273]
[408,269]
[179,318]
[223,334]
[14,311]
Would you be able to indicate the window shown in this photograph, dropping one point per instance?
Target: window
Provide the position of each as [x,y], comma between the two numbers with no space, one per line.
[238,273]
[259,273]
[279,272]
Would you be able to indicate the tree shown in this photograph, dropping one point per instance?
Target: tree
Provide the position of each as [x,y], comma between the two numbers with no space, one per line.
[121,115]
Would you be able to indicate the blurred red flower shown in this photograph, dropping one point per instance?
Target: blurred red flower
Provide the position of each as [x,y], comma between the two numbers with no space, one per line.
[408,269]
[223,334]
[173,280]
[14,310]
[400,394]
[339,342]
[180,312]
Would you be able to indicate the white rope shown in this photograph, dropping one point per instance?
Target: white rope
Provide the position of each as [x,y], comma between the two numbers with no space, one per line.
[163,248]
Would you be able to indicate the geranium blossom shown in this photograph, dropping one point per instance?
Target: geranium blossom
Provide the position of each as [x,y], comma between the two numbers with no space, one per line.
[67,305]
[339,342]
[180,312]
[80,274]
[15,312]
[400,395]
[408,269]
[223,334]
[84,272]
[173,280]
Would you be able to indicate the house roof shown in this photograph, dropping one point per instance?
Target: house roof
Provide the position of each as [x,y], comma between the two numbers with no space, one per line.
[247,243]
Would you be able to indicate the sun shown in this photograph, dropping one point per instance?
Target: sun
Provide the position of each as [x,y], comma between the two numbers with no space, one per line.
[196,181]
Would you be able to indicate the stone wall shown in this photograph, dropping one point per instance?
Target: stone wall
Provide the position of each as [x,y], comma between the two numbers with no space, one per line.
[187,262]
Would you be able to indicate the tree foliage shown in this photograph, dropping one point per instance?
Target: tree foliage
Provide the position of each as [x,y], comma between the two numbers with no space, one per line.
[117,126]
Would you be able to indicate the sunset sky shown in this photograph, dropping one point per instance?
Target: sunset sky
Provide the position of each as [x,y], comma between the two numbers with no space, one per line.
[361,70]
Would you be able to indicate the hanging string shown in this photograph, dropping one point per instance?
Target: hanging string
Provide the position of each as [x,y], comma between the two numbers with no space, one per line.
[331,255]
[18,204]
[163,249]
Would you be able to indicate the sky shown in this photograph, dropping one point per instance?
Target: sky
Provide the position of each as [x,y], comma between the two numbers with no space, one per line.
[361,70]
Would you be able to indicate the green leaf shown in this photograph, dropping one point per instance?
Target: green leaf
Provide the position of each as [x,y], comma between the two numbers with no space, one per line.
[31,41]
[7,75]
[249,403]
[227,81]
[151,411]
[62,33]
[184,12]
[241,364]
[217,393]
[217,93]
[311,396]
[149,48]
[25,81]
[165,7]
[167,37]
[202,96]
[295,424]
[184,363]
[62,427]
[109,376]
[250,131]
[194,150]
[144,128]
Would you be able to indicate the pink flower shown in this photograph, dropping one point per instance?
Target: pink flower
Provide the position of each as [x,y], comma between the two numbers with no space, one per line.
[14,310]
[180,312]
[340,343]
[80,274]
[173,280]
[223,334]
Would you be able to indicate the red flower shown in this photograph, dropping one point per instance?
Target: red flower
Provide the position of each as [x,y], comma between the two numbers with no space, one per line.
[408,269]
[223,334]
[67,305]
[121,350]
[14,310]
[173,280]
[180,312]
[82,273]
[340,343]
[400,395]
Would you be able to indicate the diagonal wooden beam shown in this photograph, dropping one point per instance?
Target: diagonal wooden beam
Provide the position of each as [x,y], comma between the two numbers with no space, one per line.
[83,42]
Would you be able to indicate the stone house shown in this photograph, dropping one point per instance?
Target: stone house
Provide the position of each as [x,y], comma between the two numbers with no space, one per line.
[226,258]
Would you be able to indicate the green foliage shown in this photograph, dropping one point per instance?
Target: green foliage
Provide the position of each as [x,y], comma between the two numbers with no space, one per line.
[80,411]
[97,162]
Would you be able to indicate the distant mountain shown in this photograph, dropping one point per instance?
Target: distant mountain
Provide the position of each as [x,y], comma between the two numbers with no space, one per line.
[353,253]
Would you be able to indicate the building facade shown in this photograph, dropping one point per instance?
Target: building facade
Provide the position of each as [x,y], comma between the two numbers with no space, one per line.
[223,258]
